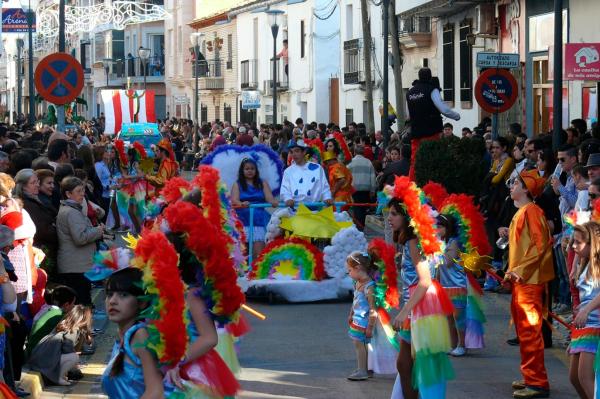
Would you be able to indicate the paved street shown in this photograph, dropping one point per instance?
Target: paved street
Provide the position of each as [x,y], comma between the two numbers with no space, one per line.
[302,351]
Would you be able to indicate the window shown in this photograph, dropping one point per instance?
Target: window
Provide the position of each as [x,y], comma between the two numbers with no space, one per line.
[217,112]
[349,19]
[229,51]
[448,57]
[349,116]
[352,62]
[302,41]
[203,113]
[227,113]
[466,62]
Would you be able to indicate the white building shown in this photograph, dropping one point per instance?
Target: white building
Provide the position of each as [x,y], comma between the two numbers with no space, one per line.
[178,65]
[312,30]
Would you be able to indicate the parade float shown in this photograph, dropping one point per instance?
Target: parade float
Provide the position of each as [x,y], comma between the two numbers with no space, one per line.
[304,259]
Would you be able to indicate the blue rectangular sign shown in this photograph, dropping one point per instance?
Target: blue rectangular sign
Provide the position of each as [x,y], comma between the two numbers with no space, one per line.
[14,20]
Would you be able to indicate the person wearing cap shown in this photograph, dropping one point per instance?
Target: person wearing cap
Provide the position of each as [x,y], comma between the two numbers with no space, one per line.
[244,138]
[593,166]
[340,178]
[168,167]
[425,106]
[303,181]
[530,268]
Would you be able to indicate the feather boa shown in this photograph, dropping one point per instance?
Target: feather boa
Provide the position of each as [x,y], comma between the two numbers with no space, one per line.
[141,151]
[175,188]
[339,137]
[166,315]
[306,258]
[121,154]
[217,208]
[386,280]
[436,193]
[317,148]
[596,210]
[210,245]
[421,215]
[470,223]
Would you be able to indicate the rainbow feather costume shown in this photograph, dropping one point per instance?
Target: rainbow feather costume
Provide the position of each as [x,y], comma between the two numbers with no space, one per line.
[473,238]
[429,330]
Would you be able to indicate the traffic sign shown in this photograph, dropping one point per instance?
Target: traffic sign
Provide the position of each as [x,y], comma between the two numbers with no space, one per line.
[498,60]
[496,90]
[59,78]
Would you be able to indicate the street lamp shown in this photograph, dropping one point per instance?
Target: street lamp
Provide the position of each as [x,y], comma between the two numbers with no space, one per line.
[274,22]
[106,64]
[196,39]
[144,54]
[29,9]
[20,44]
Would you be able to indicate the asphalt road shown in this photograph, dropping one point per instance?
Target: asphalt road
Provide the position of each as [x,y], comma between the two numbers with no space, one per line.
[302,351]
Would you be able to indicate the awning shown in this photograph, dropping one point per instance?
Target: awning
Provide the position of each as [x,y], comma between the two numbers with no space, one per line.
[438,8]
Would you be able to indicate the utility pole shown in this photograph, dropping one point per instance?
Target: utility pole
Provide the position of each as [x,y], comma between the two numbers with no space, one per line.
[398,64]
[366,28]
[60,109]
[20,45]
[558,70]
[385,129]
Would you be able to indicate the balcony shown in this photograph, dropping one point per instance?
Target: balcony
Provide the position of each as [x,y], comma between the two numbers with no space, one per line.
[281,75]
[354,62]
[415,32]
[210,74]
[248,74]
[131,70]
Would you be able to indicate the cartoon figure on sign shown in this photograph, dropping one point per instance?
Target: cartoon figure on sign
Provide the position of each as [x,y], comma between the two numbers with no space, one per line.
[586,56]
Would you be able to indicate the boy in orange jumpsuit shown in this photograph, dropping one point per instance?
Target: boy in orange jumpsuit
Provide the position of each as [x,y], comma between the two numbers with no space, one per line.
[530,268]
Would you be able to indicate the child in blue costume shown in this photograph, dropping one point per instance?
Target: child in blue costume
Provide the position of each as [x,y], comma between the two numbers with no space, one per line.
[250,189]
[363,314]
[454,280]
[132,372]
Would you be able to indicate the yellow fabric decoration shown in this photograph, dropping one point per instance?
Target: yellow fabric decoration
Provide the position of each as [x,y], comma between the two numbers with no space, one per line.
[314,225]
[474,263]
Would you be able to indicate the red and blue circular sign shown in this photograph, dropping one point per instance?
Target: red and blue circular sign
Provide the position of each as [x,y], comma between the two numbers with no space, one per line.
[496,90]
[59,78]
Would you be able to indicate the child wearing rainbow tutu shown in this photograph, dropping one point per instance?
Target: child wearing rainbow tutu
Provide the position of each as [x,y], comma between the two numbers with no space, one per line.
[423,363]
[586,335]
[454,280]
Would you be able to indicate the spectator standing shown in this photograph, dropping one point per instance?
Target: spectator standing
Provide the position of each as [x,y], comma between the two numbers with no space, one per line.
[363,181]
[448,130]
[399,166]
[244,138]
[27,189]
[76,239]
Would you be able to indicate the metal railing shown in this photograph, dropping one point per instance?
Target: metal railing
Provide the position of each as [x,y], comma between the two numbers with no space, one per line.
[134,67]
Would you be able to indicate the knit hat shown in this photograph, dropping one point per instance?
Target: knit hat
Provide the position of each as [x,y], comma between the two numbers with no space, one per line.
[533,182]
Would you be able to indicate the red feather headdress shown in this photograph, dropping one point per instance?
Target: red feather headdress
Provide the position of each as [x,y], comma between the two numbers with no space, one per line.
[436,193]
[121,154]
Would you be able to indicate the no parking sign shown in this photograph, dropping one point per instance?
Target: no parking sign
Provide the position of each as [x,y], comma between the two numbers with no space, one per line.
[496,90]
[59,78]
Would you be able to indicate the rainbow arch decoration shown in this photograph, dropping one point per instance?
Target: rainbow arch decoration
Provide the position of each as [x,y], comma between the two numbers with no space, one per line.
[289,259]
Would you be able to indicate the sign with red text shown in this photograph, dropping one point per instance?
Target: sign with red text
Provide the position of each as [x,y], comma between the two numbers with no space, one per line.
[582,61]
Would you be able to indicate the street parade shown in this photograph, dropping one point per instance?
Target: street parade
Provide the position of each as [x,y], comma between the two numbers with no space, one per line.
[317,199]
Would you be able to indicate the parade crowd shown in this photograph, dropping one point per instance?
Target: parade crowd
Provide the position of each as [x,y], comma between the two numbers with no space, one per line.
[65,195]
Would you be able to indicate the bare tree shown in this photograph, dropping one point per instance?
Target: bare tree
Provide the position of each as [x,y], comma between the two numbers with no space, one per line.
[367,42]
[398,64]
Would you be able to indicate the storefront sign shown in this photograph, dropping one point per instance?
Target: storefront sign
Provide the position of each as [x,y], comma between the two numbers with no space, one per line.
[582,61]
[181,100]
[14,20]
[497,60]
[250,99]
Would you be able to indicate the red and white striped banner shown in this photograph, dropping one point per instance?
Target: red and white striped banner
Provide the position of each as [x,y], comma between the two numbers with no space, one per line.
[127,106]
